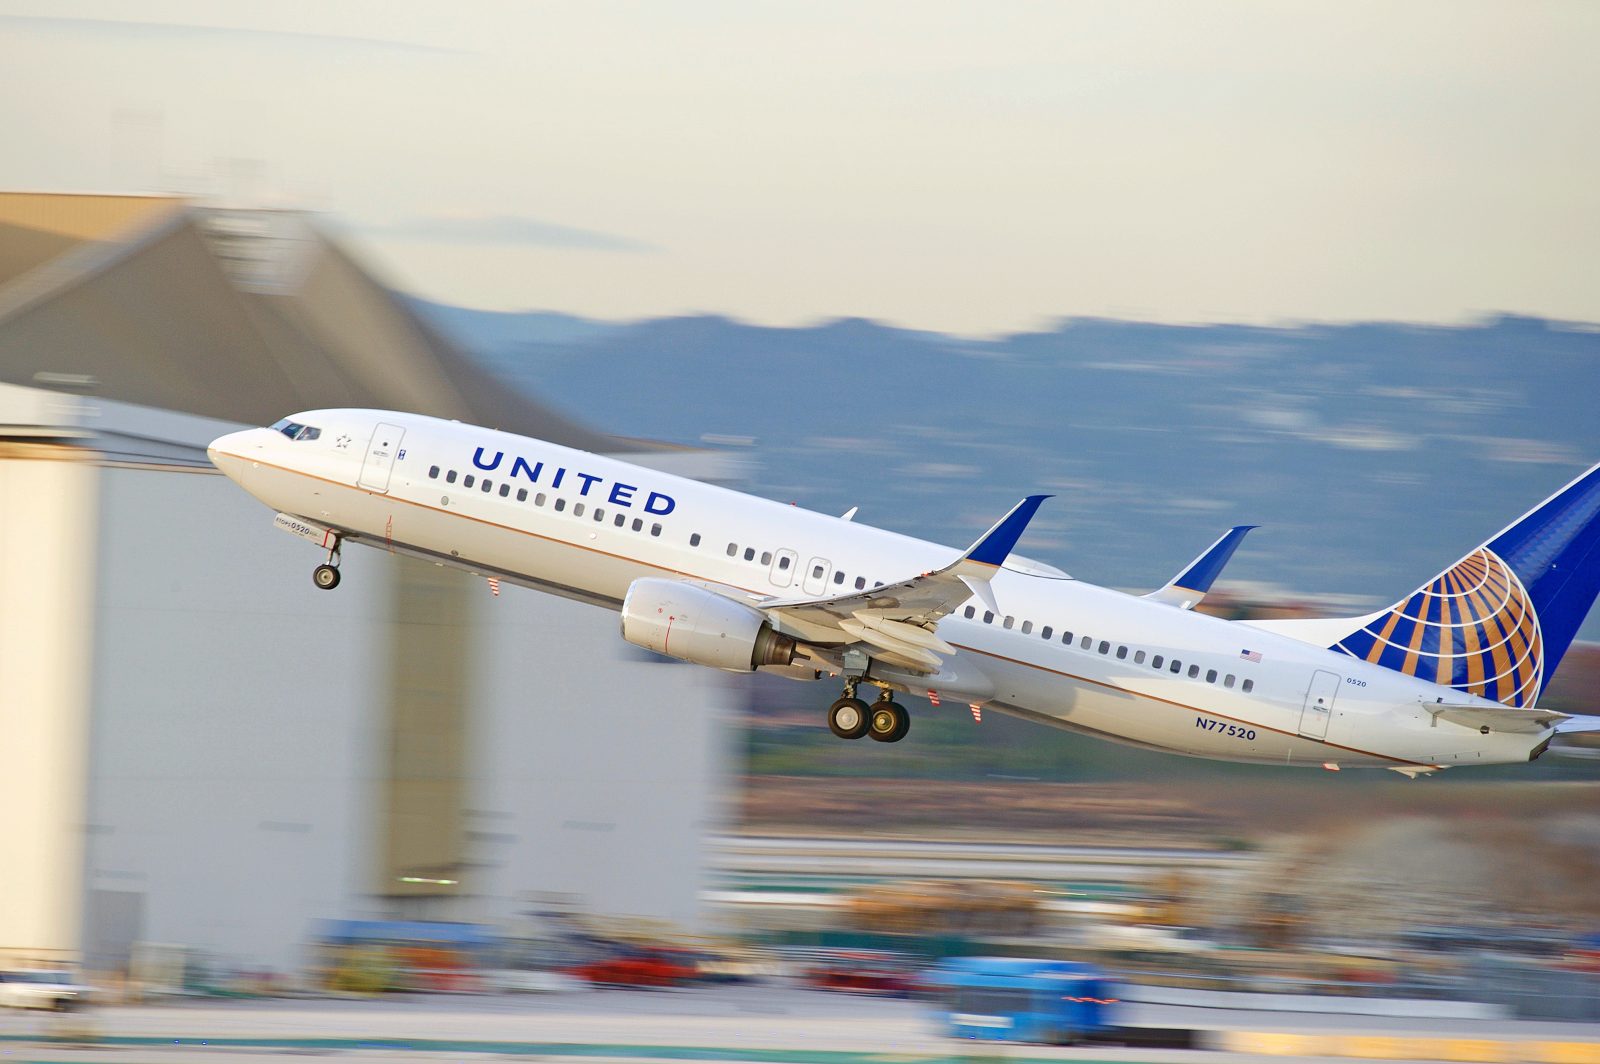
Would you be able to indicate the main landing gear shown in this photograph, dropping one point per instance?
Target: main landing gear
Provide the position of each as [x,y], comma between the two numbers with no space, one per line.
[326,576]
[887,721]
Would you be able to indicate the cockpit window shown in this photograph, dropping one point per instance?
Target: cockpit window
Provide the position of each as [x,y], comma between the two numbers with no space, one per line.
[295,431]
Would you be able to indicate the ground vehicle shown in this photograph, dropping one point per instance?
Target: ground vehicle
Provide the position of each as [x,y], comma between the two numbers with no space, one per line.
[862,971]
[1020,999]
[643,967]
[41,988]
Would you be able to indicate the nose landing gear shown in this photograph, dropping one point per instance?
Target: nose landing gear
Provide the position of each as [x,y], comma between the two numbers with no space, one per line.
[326,576]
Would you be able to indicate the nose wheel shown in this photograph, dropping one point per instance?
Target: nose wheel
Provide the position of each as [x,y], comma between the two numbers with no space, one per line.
[326,575]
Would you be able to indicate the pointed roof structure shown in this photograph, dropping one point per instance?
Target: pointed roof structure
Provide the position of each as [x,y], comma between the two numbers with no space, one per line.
[240,315]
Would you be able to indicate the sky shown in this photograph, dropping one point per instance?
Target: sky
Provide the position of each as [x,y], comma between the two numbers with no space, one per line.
[968,167]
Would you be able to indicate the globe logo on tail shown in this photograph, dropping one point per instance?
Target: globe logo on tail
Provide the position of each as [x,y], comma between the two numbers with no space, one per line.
[1472,628]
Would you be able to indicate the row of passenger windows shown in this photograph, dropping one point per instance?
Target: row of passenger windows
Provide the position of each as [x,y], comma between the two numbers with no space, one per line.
[597,513]
[1121,652]
[786,560]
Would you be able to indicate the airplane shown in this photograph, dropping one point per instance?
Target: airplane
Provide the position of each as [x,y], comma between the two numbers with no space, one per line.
[1448,676]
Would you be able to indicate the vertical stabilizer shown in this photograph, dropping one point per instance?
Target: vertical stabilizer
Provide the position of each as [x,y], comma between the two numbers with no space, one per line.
[1497,622]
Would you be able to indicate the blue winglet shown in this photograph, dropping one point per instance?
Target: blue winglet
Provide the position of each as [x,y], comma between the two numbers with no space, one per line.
[995,545]
[1202,572]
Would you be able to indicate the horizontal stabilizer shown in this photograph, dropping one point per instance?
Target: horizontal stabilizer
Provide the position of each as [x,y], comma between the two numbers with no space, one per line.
[1190,586]
[1578,724]
[1499,718]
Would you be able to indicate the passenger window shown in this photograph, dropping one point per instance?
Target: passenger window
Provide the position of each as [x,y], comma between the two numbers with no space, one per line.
[433,472]
[766,557]
[1105,647]
[505,490]
[1211,676]
[1027,627]
[450,477]
[1044,633]
[655,530]
[1227,681]
[487,485]
[1122,653]
[838,578]
[1009,622]
[466,481]
[577,509]
[1157,661]
[522,494]
[1138,657]
[561,504]
[988,618]
[968,612]
[694,540]
[861,582]
[600,513]
[1087,643]
[1249,685]
[783,563]
[733,550]
[538,500]
[1066,637]
[638,524]
[749,554]
[621,520]
[1177,666]
[817,571]
[1194,671]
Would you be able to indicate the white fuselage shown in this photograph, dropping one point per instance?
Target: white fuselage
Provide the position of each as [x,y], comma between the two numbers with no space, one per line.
[586,526]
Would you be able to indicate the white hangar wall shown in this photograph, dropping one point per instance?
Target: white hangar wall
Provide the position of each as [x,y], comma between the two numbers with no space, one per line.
[604,769]
[233,726]
[236,727]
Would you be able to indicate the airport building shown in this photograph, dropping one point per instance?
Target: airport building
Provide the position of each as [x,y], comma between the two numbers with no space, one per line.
[198,747]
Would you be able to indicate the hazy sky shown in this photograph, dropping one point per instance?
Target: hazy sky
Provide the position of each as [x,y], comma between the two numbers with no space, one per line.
[977,167]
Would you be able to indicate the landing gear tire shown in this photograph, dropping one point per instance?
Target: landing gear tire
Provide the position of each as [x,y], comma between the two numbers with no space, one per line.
[326,577]
[849,718]
[889,722]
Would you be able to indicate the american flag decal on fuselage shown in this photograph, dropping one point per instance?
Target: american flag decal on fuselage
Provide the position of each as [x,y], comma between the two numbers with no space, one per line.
[1472,628]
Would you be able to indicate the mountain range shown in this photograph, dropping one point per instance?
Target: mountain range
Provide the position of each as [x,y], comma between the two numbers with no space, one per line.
[1372,455]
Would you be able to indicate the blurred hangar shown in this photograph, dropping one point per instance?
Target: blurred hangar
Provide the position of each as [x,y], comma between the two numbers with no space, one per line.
[202,749]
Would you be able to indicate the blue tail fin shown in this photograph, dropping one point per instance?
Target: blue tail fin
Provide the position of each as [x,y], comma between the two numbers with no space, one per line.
[1498,622]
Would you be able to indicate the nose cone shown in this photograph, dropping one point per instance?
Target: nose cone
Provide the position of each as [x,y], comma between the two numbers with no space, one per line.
[227,452]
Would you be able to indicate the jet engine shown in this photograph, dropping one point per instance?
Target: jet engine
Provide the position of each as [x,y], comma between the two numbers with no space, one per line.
[692,624]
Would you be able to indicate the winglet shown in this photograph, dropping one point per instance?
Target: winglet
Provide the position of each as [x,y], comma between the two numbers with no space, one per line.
[1190,586]
[994,547]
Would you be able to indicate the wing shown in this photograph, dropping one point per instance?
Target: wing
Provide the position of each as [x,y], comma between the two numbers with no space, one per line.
[898,619]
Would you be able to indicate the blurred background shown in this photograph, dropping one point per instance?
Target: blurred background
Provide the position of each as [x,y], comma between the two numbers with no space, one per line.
[1323,268]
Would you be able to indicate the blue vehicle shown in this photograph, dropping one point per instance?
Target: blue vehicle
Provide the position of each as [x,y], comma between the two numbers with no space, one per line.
[1020,999]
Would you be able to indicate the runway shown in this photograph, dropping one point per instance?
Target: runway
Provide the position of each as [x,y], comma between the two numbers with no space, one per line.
[762,1024]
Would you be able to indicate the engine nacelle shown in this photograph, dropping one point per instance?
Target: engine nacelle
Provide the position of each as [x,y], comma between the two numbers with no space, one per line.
[692,624]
